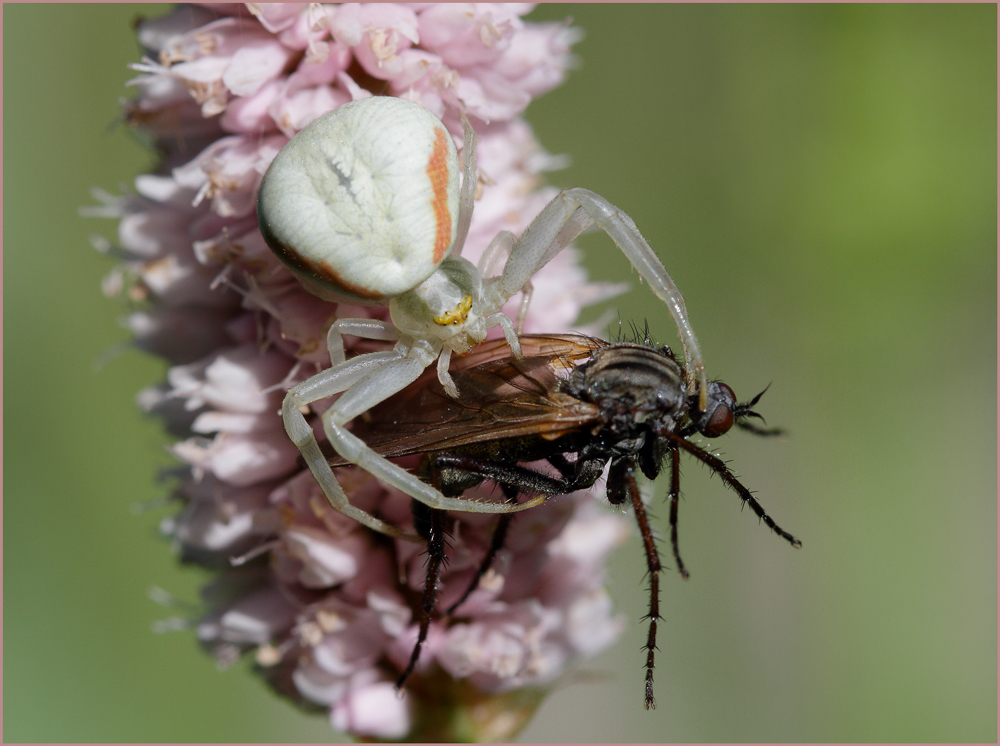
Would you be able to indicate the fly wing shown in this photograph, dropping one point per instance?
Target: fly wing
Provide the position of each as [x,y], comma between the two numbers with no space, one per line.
[500,397]
[564,349]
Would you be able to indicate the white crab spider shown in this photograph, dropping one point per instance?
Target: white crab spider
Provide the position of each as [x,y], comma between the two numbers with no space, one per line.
[364,204]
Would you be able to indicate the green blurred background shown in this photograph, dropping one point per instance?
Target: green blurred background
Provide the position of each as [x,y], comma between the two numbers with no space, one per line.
[821,183]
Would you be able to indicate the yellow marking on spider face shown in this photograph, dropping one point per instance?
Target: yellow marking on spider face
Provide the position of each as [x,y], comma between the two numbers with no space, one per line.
[457,316]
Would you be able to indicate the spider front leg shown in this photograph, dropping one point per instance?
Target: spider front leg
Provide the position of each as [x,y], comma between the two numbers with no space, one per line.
[381,383]
[383,331]
[504,242]
[571,213]
[325,384]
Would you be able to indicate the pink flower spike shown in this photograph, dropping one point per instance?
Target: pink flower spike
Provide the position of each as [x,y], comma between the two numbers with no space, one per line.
[329,609]
[254,65]
[375,710]
[466,35]
[275,17]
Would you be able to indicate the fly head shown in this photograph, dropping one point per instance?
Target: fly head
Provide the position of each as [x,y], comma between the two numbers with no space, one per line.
[723,412]
[719,416]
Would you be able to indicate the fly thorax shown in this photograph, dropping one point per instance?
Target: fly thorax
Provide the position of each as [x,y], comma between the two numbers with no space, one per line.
[637,388]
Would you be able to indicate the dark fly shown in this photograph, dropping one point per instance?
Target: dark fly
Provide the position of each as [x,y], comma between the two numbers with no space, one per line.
[578,403]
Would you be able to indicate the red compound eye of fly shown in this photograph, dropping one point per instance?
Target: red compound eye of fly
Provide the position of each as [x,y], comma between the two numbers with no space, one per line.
[718,418]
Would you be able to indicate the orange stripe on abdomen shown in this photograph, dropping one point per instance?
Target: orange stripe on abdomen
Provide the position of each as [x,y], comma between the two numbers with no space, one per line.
[437,172]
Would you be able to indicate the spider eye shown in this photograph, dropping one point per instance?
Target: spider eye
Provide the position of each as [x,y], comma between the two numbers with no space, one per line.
[719,417]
